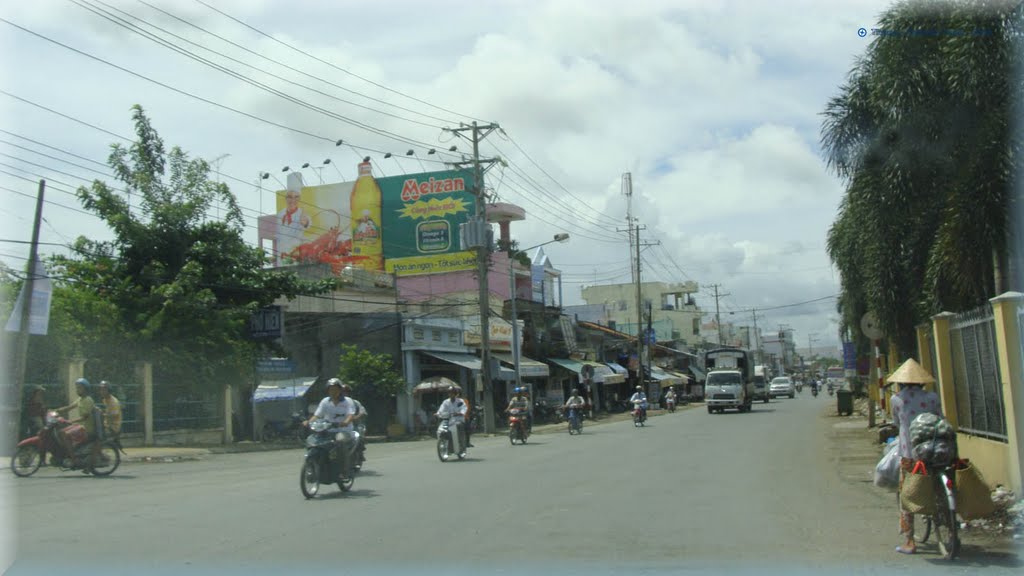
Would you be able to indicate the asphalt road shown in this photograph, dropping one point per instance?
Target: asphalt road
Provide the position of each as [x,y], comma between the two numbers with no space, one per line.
[759,492]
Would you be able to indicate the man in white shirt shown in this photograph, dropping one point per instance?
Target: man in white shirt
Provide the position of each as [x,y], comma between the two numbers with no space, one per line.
[639,399]
[339,411]
[574,405]
[454,409]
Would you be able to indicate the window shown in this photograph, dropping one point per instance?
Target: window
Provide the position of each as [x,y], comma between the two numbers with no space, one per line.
[453,338]
[417,333]
[435,335]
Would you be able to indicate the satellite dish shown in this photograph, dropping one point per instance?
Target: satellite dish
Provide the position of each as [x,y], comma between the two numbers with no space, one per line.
[870,326]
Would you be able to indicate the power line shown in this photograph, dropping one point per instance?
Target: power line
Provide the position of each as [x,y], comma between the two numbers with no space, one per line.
[353,74]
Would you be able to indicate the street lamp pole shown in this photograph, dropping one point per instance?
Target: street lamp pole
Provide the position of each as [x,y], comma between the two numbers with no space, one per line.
[561,237]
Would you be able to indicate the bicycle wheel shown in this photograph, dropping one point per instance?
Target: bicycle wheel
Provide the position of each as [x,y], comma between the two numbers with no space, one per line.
[945,525]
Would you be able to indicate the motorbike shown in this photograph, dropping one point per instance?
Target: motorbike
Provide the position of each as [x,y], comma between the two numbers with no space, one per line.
[831,390]
[323,462]
[814,391]
[547,414]
[670,404]
[517,429]
[30,452]
[575,417]
[280,430]
[449,442]
[357,465]
[638,415]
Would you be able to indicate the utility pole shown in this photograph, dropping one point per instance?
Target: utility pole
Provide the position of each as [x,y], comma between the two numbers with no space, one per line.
[757,339]
[478,133]
[810,350]
[718,314]
[21,365]
[633,229]
[782,343]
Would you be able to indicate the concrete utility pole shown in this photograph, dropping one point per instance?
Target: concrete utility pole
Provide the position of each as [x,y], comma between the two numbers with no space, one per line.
[478,133]
[757,340]
[26,306]
[634,228]
[718,314]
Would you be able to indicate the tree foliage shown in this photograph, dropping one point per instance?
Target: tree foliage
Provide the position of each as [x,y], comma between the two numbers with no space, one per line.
[174,286]
[922,134]
[368,373]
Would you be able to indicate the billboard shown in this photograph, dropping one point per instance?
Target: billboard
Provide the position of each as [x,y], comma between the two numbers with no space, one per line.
[405,225]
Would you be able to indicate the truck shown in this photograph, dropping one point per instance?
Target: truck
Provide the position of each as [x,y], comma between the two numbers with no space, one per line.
[761,379]
[730,380]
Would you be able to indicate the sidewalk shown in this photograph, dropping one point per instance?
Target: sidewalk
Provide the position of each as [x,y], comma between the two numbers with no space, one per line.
[169,454]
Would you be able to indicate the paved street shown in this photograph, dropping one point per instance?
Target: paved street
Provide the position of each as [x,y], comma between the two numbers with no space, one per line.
[690,490]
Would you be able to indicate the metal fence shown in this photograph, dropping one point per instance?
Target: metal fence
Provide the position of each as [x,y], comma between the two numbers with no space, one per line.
[176,408]
[976,380]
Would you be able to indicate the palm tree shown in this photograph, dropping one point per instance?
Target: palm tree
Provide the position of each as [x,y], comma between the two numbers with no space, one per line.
[922,134]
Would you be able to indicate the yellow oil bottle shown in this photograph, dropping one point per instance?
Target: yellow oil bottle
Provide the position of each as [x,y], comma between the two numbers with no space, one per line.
[365,204]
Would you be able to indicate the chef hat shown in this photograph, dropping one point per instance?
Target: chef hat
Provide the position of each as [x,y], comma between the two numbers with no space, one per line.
[295,183]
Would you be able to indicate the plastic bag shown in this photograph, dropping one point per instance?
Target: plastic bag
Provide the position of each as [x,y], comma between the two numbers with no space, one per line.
[887,471]
[928,426]
[939,452]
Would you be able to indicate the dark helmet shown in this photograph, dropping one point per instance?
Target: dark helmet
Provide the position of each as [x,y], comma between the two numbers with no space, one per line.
[83,382]
[453,389]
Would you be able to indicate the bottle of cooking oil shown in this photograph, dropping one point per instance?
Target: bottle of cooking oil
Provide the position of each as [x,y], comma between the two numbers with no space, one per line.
[365,204]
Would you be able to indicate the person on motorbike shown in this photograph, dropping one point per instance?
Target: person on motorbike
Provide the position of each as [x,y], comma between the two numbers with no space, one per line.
[85,405]
[574,405]
[519,404]
[670,397]
[814,387]
[454,409]
[339,411]
[469,418]
[360,418]
[639,400]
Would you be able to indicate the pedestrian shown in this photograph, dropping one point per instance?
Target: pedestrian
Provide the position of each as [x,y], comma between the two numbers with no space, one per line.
[34,413]
[469,418]
[911,401]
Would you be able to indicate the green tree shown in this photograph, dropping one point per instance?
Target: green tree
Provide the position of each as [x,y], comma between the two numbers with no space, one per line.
[173,286]
[922,134]
[374,381]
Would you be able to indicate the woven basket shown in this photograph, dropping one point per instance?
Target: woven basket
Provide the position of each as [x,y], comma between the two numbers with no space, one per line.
[973,496]
[917,493]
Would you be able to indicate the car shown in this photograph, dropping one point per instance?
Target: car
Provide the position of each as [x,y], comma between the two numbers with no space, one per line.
[760,388]
[782,386]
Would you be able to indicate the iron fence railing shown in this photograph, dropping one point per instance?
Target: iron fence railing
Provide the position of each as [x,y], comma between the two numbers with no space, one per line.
[976,378]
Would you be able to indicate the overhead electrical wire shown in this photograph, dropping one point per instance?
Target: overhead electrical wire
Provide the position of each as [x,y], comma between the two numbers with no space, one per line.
[338,68]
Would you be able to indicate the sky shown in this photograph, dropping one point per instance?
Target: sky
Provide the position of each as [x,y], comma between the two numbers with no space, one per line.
[714,108]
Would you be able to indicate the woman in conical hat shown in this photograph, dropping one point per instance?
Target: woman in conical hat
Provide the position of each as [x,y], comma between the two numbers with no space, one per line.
[911,401]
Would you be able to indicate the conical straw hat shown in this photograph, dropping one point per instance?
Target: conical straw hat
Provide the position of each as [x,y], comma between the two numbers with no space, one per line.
[910,373]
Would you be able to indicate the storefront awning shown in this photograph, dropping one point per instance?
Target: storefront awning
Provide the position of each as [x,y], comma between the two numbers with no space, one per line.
[664,378]
[467,361]
[570,365]
[527,368]
[603,374]
[698,373]
[618,369]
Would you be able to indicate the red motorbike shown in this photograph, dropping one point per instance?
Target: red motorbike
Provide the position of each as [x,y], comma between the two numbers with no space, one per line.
[31,452]
[517,429]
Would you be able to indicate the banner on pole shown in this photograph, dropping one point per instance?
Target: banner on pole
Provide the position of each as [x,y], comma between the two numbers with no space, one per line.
[39,312]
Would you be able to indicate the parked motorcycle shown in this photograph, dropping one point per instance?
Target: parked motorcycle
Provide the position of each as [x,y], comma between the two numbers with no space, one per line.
[449,442]
[575,418]
[323,460]
[547,414]
[517,429]
[31,451]
[280,430]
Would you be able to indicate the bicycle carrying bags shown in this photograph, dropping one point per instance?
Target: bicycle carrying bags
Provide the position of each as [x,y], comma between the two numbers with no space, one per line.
[917,491]
[973,496]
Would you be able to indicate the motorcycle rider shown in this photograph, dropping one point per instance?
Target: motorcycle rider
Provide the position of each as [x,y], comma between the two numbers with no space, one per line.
[469,418]
[85,405]
[340,411]
[520,404]
[814,387]
[454,409]
[639,400]
[574,405]
[670,397]
[359,420]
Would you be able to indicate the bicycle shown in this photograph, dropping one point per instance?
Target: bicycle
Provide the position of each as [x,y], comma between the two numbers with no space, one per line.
[942,521]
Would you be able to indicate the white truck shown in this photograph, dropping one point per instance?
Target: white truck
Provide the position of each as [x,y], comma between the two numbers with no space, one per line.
[761,379]
[730,380]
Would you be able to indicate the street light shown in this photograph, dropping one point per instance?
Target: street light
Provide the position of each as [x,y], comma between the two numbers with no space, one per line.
[560,237]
